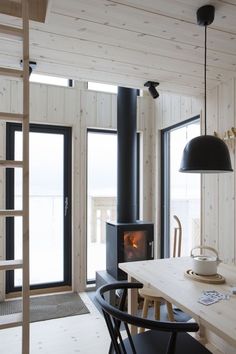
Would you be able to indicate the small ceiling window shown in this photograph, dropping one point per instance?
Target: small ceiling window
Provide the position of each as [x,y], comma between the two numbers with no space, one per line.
[97,86]
[51,80]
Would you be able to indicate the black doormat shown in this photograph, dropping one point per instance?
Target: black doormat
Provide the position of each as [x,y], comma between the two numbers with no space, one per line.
[47,307]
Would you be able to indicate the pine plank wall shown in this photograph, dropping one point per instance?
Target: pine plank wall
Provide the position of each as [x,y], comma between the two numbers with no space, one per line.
[82,109]
[218,190]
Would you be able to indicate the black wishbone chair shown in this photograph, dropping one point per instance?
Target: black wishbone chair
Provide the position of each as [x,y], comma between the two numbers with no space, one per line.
[160,338]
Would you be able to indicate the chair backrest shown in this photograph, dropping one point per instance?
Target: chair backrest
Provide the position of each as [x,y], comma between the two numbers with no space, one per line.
[177,238]
[114,316]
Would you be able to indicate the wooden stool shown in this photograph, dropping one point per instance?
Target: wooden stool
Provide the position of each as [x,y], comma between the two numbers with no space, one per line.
[151,295]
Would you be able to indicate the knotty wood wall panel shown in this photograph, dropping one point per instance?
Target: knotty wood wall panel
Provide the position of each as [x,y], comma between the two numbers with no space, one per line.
[218,190]
[170,109]
[80,109]
[226,181]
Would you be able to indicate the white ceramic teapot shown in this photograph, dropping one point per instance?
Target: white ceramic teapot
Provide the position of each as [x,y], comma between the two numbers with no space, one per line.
[205,265]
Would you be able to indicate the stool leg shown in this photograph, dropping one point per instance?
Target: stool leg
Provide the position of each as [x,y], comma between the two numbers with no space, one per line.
[157,307]
[170,311]
[144,313]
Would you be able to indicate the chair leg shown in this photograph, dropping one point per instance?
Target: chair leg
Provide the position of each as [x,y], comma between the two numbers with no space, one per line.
[157,307]
[170,311]
[144,312]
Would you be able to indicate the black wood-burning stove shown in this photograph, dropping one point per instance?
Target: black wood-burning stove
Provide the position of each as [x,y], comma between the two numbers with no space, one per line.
[128,243]
[127,239]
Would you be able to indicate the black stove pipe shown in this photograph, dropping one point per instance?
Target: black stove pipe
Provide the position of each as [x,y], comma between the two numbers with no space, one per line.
[127,155]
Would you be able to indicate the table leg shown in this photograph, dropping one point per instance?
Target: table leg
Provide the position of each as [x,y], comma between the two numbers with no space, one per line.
[132,304]
[200,335]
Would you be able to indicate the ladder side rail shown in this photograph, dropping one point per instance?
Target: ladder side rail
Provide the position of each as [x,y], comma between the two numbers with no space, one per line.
[25,131]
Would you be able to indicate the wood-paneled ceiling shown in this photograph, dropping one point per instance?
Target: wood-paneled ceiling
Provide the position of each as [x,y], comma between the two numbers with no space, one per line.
[128,42]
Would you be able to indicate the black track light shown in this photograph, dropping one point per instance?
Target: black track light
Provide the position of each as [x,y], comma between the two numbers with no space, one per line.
[32,65]
[152,88]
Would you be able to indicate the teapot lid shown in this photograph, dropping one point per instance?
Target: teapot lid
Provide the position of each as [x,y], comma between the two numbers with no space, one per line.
[205,258]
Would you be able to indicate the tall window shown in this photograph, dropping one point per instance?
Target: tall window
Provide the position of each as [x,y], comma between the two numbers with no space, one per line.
[101,195]
[180,191]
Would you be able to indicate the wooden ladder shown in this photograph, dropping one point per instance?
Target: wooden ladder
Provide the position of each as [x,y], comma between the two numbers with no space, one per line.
[21,319]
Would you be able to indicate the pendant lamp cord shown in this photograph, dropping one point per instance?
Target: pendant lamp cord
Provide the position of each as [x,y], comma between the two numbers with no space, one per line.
[205,58]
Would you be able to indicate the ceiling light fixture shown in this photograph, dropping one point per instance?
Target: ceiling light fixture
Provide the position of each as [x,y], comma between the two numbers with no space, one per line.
[205,153]
[152,88]
[32,65]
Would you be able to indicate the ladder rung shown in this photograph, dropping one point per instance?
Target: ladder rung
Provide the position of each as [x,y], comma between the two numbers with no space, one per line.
[11,163]
[12,320]
[11,212]
[13,31]
[11,72]
[10,265]
[13,117]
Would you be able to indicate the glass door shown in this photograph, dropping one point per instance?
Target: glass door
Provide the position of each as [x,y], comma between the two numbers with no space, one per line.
[180,191]
[50,206]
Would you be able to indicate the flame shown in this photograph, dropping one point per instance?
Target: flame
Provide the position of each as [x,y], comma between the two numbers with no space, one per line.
[134,245]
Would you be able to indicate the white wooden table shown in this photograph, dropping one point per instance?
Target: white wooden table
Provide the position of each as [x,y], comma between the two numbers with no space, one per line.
[167,276]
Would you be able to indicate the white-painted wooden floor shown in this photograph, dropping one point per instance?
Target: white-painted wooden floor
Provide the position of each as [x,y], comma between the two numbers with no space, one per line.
[84,334]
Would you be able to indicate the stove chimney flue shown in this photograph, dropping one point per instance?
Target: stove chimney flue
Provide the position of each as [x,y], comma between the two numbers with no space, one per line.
[127,155]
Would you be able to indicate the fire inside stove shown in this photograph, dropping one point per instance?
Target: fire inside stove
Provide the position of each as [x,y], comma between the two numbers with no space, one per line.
[135,245]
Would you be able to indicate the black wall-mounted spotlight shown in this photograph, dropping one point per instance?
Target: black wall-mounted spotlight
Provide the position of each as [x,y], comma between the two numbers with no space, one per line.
[152,88]
[32,65]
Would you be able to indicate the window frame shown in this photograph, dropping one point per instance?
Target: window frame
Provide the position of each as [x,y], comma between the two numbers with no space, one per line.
[165,183]
[11,128]
[108,131]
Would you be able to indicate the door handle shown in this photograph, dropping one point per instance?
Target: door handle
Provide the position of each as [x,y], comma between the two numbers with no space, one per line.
[151,244]
[66,205]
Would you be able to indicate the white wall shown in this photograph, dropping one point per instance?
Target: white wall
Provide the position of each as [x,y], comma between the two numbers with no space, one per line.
[80,109]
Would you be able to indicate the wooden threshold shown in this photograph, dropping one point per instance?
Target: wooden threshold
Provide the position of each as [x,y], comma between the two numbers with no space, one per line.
[59,289]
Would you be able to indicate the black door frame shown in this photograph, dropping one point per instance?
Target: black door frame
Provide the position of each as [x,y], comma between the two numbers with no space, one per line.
[165,184]
[11,128]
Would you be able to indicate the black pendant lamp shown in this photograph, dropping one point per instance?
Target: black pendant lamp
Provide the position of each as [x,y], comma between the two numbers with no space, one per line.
[205,153]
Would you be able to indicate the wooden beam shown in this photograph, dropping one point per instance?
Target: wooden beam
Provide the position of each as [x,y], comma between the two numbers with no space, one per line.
[37,9]
[13,31]
[11,212]
[13,117]
[11,72]
[10,265]
[11,163]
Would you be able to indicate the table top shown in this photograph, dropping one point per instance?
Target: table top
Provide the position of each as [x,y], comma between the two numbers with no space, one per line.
[167,276]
